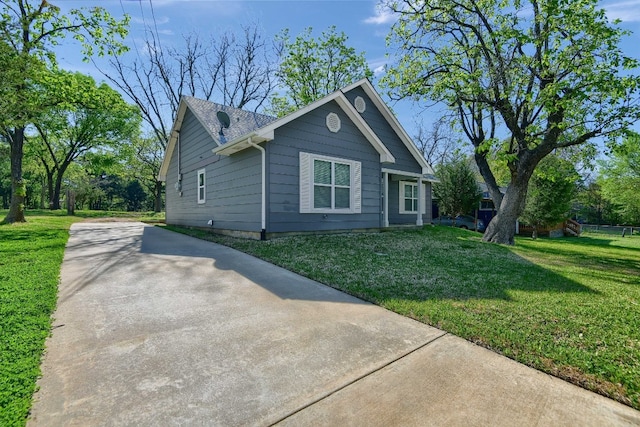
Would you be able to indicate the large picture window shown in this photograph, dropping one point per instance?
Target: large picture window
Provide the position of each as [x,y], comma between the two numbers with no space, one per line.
[202,181]
[329,185]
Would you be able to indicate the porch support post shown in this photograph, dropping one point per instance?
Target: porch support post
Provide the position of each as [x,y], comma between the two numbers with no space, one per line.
[385,196]
[420,201]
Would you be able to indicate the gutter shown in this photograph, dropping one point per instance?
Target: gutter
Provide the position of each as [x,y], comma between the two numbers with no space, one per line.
[263,231]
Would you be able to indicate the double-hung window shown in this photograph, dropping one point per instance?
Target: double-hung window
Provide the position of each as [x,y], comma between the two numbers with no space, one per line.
[329,185]
[409,195]
[202,192]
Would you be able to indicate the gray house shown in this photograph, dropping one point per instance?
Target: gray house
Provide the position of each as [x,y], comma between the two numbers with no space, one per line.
[341,163]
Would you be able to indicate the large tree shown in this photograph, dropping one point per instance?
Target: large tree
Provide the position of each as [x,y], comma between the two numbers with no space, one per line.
[91,117]
[311,68]
[29,30]
[228,68]
[546,74]
[620,180]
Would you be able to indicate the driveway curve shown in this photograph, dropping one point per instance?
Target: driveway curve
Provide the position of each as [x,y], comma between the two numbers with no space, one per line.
[157,328]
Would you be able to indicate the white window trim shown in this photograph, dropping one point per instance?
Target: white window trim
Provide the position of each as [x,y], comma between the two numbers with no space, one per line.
[203,173]
[401,198]
[307,184]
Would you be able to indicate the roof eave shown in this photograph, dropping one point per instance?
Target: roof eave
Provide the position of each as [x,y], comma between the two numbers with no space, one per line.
[242,142]
[173,137]
[393,121]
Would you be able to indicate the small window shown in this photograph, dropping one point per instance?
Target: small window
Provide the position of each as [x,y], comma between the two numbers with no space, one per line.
[408,198]
[201,186]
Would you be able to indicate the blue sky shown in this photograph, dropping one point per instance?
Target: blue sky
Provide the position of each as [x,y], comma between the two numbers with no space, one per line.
[363,22]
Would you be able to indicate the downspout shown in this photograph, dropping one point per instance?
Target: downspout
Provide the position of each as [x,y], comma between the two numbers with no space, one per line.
[263,232]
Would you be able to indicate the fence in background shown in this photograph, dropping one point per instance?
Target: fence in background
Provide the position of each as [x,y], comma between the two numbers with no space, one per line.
[617,230]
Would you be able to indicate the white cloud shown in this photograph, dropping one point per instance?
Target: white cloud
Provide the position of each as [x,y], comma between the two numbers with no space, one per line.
[626,11]
[378,70]
[378,65]
[383,15]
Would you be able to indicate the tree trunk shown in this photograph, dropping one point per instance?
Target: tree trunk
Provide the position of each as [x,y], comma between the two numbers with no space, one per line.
[502,228]
[18,190]
[55,200]
[50,188]
[158,197]
[489,179]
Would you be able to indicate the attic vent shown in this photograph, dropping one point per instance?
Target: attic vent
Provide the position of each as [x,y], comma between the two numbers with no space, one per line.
[333,122]
[360,104]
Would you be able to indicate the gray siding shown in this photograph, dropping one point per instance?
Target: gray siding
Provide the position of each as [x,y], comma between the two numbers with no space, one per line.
[233,188]
[404,160]
[395,217]
[309,134]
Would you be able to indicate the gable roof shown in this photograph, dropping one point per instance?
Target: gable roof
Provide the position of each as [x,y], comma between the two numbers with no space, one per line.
[267,132]
[242,122]
[368,88]
[249,128]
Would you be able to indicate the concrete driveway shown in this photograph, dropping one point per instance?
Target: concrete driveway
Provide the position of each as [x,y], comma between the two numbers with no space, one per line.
[154,328]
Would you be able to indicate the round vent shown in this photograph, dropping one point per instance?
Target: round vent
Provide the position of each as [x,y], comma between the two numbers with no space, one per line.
[360,104]
[333,122]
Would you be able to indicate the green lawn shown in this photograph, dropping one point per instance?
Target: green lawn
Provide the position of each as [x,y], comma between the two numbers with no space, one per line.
[31,255]
[30,259]
[569,307]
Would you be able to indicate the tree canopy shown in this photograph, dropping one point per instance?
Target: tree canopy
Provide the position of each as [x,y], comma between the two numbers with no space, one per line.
[457,191]
[29,29]
[542,73]
[311,68]
[551,190]
[620,180]
[87,117]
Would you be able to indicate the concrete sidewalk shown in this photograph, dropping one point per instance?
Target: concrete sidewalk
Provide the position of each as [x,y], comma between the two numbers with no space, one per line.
[156,328]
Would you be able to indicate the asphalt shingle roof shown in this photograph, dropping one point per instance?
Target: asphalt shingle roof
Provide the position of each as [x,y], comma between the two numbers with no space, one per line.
[242,122]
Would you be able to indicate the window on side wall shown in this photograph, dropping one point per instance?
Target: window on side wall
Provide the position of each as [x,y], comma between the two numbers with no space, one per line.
[202,181]
[408,197]
[329,184]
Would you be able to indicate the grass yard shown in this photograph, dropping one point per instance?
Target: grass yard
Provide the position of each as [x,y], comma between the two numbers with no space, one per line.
[29,271]
[569,307]
[30,258]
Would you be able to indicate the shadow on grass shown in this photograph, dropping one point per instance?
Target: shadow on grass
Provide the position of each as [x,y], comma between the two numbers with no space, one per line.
[414,265]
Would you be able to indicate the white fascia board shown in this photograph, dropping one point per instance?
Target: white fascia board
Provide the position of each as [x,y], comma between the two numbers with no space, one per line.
[301,112]
[242,142]
[385,154]
[402,173]
[354,85]
[395,125]
[425,177]
[266,133]
[173,137]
